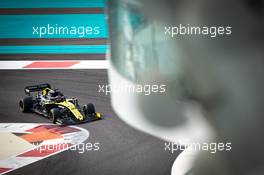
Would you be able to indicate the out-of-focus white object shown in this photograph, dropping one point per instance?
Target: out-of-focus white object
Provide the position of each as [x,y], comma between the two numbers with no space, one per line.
[184,162]
[126,105]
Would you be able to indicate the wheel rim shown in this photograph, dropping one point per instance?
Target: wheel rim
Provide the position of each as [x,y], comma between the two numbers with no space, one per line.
[21,106]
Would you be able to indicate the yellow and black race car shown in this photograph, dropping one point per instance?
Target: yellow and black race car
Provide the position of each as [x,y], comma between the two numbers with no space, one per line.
[51,103]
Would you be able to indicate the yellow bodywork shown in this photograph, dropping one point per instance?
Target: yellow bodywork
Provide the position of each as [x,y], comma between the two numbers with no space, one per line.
[45,91]
[98,115]
[66,104]
[72,108]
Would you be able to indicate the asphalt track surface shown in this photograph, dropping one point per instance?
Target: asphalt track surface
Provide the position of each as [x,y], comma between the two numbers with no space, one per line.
[123,150]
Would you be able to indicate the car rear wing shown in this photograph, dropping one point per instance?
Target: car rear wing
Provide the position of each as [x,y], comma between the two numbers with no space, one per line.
[35,88]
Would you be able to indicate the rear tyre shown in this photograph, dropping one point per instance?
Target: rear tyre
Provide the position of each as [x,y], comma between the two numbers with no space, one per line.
[55,114]
[25,104]
[89,109]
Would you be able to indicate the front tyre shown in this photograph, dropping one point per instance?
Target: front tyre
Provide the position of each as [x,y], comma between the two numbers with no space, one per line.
[89,109]
[26,104]
[55,114]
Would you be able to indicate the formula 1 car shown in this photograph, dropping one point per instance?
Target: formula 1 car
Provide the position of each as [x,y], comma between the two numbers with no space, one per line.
[51,103]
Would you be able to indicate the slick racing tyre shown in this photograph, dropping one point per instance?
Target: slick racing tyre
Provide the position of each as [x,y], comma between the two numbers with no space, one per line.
[25,104]
[89,109]
[55,114]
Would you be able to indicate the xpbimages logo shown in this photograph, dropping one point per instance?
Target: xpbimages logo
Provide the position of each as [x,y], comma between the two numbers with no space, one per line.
[212,147]
[72,31]
[188,29]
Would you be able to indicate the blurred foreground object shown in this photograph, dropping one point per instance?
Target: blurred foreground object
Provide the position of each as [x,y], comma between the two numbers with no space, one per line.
[214,81]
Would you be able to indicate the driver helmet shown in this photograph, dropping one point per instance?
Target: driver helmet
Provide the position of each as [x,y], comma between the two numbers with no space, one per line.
[51,93]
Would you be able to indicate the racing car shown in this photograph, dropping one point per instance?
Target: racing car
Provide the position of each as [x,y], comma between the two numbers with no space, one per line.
[51,103]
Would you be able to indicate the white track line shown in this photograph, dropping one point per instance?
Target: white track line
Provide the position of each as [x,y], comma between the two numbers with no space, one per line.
[14,64]
[87,64]
[98,64]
